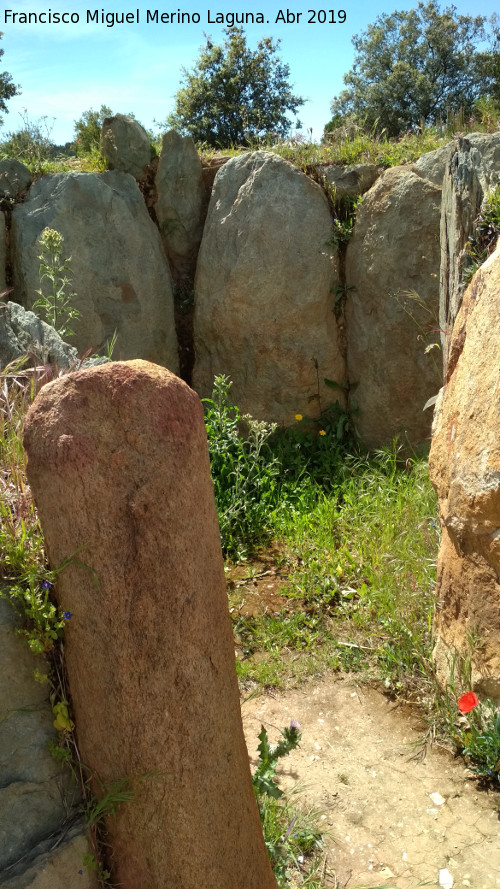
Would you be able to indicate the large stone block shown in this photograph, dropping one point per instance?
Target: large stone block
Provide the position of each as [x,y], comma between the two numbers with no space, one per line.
[14,178]
[181,197]
[465,471]
[433,164]
[349,182]
[120,275]
[23,334]
[392,262]
[125,144]
[263,301]
[3,255]
[118,464]
[473,169]
[38,797]
[61,867]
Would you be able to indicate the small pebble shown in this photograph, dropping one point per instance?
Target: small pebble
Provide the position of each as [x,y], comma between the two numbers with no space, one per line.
[445,879]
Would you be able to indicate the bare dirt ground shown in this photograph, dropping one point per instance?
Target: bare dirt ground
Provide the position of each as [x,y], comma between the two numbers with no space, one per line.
[391,819]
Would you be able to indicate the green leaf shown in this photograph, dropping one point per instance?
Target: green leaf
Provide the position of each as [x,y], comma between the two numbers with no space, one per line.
[333,384]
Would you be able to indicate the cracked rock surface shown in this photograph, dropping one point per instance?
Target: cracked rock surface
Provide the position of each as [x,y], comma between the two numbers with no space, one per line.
[42,840]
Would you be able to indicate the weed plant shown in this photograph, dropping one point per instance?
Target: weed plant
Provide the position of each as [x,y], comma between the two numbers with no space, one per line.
[291,836]
[55,302]
[21,542]
[485,236]
[360,591]
[358,535]
[472,726]
[261,473]
[244,472]
[352,144]
[480,742]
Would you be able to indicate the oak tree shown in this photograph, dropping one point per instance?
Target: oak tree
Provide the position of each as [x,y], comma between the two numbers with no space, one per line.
[416,66]
[7,87]
[235,95]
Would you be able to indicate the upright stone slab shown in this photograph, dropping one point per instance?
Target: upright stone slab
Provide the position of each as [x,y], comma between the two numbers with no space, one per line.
[181,198]
[14,178]
[125,144]
[39,798]
[392,268]
[120,275]
[349,182]
[263,290]
[464,465]
[3,256]
[23,334]
[118,464]
[473,169]
[433,164]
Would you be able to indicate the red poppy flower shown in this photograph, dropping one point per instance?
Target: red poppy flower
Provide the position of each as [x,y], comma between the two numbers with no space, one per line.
[467,702]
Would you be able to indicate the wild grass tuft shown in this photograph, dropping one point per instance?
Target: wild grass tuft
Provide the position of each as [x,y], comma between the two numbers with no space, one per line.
[21,543]
[352,144]
[360,587]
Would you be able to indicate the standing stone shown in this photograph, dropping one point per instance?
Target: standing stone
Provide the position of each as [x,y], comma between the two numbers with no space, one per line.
[14,178]
[23,334]
[118,464]
[433,164]
[349,182]
[181,197]
[263,290]
[473,169]
[392,262]
[3,256]
[125,145]
[464,466]
[120,275]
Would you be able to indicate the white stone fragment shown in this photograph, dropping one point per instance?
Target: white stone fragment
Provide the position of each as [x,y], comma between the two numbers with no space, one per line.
[445,879]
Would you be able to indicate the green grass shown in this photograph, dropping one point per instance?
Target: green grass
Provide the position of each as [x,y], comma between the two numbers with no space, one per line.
[360,586]
[352,145]
[343,146]
[484,237]
[352,541]
[21,542]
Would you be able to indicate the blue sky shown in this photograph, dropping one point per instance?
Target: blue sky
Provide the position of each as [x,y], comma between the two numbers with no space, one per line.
[66,69]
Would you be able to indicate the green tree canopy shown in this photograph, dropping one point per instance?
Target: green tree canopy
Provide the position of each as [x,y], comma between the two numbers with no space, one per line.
[417,66]
[7,88]
[88,129]
[234,94]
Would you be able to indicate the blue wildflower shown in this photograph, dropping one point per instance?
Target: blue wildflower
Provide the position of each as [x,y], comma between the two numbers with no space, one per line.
[68,615]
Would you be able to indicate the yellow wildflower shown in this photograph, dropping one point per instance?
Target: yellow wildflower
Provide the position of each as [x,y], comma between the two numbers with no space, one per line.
[298,417]
[322,432]
[62,722]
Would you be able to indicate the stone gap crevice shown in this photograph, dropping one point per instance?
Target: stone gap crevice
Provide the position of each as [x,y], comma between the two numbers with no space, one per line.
[183,283]
[6,208]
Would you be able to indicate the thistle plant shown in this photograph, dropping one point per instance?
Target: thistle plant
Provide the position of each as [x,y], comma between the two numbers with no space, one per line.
[264,778]
[56,297]
[291,836]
